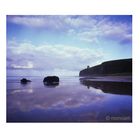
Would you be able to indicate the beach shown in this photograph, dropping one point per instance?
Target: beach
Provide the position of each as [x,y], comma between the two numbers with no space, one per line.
[74,99]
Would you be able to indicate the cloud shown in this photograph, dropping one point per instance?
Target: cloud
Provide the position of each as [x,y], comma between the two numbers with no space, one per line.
[59,57]
[86,28]
[127,39]
[29,21]
[48,57]
[56,22]
[106,30]
[28,65]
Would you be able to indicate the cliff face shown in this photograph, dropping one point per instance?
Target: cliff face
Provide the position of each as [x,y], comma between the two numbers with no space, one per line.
[109,67]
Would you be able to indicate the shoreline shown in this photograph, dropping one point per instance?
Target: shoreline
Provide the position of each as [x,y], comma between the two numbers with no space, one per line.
[108,78]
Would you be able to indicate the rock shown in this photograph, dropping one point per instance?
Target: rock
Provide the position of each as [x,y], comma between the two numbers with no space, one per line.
[24,81]
[51,80]
[121,66]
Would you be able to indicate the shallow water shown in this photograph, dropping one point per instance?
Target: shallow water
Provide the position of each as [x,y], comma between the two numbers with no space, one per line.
[72,100]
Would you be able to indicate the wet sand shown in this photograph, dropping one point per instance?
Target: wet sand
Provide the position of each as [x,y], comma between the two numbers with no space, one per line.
[70,101]
[108,78]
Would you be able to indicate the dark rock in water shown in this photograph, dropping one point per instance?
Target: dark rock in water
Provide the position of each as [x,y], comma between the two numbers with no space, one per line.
[51,80]
[24,81]
[122,66]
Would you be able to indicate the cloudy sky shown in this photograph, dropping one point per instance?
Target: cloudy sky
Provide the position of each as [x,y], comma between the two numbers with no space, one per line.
[64,45]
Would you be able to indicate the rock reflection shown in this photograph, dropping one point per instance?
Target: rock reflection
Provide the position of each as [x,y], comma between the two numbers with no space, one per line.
[52,85]
[24,85]
[124,88]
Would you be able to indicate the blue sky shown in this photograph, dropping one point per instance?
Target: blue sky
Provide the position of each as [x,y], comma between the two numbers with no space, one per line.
[64,45]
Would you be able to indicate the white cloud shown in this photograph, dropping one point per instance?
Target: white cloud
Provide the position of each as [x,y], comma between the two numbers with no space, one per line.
[86,28]
[30,21]
[50,57]
[29,65]
[56,22]
[105,30]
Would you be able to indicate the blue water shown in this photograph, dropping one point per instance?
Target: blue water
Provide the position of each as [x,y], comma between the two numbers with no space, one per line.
[70,101]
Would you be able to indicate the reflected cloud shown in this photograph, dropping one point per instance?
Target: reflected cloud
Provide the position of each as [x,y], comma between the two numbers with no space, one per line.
[22,91]
[71,102]
[58,99]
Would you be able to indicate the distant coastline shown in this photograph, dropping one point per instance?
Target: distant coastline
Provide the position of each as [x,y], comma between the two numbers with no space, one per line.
[122,67]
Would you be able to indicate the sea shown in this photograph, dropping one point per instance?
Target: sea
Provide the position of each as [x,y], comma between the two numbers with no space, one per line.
[74,99]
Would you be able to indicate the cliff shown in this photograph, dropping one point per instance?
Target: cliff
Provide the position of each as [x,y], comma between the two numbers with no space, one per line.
[121,66]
